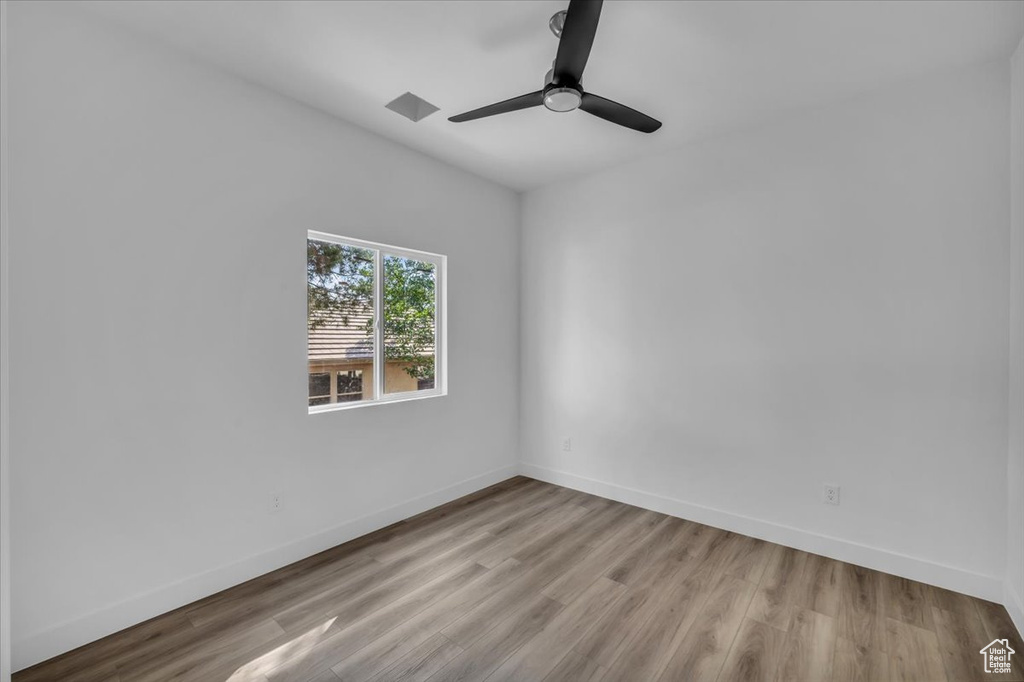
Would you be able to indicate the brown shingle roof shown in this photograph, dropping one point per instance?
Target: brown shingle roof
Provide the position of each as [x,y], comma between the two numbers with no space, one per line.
[332,337]
[343,335]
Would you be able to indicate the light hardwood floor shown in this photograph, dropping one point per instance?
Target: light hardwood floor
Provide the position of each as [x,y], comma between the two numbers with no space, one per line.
[533,582]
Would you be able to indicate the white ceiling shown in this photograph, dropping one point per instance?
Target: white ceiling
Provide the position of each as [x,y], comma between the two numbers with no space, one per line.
[700,67]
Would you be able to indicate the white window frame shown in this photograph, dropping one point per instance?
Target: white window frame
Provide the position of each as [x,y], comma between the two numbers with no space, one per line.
[440,263]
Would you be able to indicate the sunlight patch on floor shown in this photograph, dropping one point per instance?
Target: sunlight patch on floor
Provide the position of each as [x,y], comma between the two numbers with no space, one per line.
[254,670]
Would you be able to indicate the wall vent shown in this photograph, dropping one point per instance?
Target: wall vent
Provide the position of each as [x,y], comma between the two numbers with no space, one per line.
[412,107]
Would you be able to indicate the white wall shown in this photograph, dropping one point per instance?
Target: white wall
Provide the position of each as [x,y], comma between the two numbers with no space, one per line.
[1014,597]
[5,459]
[158,381]
[724,329]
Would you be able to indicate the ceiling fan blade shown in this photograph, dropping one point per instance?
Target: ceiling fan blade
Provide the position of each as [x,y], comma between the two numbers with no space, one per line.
[577,38]
[618,113]
[533,99]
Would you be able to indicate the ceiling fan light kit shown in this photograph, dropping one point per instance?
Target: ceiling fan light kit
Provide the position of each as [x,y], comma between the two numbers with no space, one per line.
[562,99]
[563,89]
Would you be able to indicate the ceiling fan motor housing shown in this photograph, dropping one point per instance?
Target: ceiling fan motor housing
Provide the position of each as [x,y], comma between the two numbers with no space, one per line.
[557,23]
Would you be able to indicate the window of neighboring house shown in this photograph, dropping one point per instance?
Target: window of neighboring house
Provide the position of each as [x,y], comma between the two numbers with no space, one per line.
[319,388]
[375,323]
[350,386]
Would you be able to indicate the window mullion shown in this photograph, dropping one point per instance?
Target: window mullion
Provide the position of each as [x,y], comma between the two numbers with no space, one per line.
[378,324]
[440,355]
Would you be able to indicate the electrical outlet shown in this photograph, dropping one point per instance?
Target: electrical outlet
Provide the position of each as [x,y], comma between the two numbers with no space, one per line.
[276,503]
[830,495]
[567,445]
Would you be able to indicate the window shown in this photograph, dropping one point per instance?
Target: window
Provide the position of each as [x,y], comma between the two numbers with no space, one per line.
[319,388]
[374,323]
[350,385]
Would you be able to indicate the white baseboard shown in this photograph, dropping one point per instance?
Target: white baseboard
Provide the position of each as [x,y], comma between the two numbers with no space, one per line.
[1014,606]
[985,587]
[69,635]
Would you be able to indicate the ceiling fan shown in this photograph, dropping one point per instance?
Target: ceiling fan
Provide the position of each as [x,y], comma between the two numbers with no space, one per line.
[563,88]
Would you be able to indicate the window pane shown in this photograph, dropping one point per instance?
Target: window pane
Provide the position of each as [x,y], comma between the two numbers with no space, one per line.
[319,384]
[339,321]
[350,385]
[319,388]
[409,310]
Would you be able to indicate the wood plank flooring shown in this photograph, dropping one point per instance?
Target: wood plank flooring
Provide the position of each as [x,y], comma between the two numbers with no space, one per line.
[527,581]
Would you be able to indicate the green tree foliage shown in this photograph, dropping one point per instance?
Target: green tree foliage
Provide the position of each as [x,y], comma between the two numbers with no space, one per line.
[340,285]
[339,282]
[409,305]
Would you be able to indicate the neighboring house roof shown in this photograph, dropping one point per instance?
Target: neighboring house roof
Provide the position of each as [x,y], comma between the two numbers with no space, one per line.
[337,336]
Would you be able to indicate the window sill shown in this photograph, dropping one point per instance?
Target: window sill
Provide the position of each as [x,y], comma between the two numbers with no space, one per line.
[386,400]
